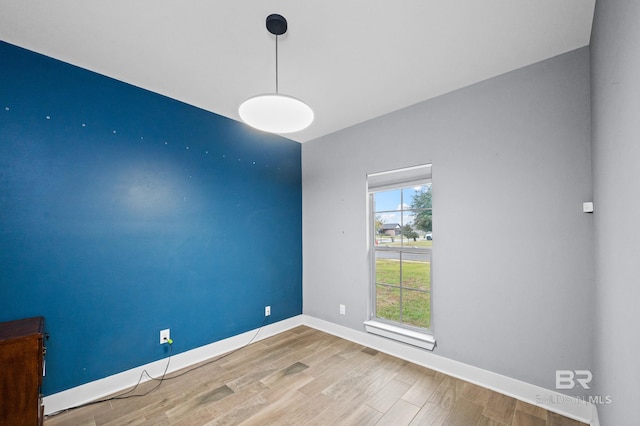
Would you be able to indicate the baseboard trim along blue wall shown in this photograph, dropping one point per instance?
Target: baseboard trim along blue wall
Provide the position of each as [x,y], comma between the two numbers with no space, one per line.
[124,212]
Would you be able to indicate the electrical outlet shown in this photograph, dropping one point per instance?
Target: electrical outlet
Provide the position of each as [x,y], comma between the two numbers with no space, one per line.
[343,310]
[267,311]
[165,335]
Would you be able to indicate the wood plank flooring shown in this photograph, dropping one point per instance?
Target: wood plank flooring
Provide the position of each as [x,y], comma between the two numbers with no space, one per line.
[307,377]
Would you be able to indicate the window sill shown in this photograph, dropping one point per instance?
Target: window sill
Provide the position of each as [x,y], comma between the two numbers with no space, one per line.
[421,340]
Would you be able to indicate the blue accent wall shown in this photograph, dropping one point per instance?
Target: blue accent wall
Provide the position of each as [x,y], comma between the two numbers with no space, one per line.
[124,212]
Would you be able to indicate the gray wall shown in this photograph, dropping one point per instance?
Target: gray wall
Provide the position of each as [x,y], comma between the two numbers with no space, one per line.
[615,47]
[513,252]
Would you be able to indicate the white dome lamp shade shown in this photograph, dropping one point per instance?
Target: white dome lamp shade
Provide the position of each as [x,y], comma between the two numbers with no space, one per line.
[274,112]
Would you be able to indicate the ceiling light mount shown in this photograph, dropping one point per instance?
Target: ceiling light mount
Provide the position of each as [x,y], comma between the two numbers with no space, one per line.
[273,112]
[276,24]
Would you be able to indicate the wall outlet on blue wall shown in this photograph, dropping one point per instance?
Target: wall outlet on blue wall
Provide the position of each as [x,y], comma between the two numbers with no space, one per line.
[267,311]
[165,336]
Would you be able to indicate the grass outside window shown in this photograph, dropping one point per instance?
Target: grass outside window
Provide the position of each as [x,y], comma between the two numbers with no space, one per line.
[404,296]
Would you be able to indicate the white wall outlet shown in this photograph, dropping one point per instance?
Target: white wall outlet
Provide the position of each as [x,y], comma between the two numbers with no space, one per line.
[343,310]
[165,335]
[267,311]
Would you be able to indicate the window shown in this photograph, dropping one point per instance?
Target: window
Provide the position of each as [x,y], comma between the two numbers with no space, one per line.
[401,236]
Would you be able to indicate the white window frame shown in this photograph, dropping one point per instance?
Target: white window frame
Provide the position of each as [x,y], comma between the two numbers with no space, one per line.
[385,181]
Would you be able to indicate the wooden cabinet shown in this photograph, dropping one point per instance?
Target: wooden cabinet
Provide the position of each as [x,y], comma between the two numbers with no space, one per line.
[21,363]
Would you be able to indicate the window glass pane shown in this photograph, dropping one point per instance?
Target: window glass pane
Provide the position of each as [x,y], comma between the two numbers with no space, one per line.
[388,217]
[421,204]
[410,234]
[417,239]
[388,302]
[388,200]
[416,308]
[387,234]
[416,271]
[388,268]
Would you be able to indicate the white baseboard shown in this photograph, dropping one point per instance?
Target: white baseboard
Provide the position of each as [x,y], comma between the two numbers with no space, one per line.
[570,407]
[118,382]
[595,420]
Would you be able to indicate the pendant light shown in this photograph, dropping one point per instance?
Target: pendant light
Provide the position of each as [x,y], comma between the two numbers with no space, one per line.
[275,112]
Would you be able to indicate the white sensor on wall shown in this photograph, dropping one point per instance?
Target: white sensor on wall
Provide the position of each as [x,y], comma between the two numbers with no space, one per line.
[587,207]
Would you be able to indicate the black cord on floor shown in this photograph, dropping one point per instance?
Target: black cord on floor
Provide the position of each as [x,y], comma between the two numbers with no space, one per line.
[126,395]
[211,361]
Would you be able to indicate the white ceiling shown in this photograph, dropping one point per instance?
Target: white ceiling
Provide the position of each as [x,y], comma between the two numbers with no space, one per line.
[349,60]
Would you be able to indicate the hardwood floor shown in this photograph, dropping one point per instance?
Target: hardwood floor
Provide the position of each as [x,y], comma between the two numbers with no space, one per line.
[307,377]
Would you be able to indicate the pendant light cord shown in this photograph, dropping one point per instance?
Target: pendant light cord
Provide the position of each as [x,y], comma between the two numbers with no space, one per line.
[276,64]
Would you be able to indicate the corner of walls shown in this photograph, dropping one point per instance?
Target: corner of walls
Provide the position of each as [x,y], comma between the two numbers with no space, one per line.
[574,408]
[123,212]
[123,380]
[513,257]
[615,66]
